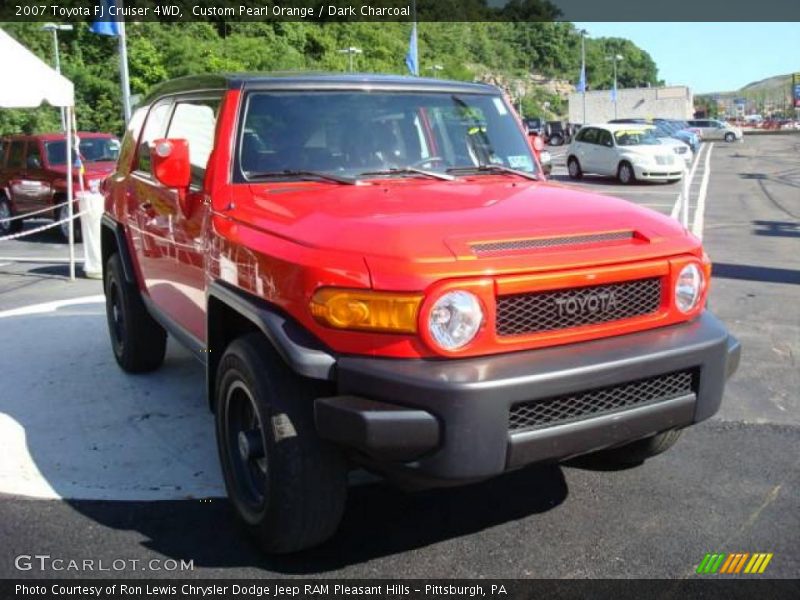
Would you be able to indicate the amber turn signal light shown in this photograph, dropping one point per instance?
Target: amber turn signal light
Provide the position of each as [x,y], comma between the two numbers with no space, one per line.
[366,310]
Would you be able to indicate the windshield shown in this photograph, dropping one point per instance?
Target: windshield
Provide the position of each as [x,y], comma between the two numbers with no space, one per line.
[91,149]
[636,137]
[362,134]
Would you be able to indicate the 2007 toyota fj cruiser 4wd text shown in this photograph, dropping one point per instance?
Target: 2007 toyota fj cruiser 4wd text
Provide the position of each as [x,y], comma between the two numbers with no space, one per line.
[374,273]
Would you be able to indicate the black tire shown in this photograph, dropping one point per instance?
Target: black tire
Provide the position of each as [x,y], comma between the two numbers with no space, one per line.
[8,227]
[574,168]
[138,341]
[625,173]
[63,214]
[556,140]
[729,137]
[287,485]
[640,450]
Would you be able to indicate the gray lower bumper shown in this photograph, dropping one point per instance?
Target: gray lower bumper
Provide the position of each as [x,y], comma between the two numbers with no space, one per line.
[470,399]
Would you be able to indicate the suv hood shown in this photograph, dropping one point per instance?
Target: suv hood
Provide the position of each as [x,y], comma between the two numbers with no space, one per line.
[92,170]
[419,226]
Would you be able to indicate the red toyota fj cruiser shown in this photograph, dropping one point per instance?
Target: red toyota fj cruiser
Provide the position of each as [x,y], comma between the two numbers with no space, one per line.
[374,273]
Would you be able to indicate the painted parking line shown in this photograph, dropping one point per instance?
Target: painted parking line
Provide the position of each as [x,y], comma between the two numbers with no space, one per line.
[46,307]
[700,209]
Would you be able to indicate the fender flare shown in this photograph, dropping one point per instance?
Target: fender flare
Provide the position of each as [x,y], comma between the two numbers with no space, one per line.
[118,232]
[302,352]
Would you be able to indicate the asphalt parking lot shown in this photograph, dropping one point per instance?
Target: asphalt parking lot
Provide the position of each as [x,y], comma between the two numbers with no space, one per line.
[102,465]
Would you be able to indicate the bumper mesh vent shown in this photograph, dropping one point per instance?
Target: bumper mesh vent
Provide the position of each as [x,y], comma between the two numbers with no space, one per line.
[562,309]
[536,243]
[583,405]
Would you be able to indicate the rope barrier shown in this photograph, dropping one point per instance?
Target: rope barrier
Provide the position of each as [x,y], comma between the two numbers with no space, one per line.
[14,236]
[36,212]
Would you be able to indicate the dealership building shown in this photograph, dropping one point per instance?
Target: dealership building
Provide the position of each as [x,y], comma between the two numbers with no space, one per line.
[672,102]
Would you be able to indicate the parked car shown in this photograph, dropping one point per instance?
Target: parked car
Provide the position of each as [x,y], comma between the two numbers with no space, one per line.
[681,131]
[665,134]
[717,130]
[556,133]
[33,175]
[534,125]
[374,275]
[544,157]
[625,151]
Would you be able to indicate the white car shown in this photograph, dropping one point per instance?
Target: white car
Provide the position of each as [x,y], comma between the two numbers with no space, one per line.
[626,151]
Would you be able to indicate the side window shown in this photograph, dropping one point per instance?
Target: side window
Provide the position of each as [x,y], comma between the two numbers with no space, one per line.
[195,121]
[590,135]
[3,153]
[153,129]
[33,160]
[15,153]
[604,138]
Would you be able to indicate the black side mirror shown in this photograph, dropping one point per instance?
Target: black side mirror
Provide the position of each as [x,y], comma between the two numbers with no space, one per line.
[33,162]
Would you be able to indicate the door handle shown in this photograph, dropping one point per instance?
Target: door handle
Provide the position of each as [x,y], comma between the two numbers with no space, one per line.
[147,209]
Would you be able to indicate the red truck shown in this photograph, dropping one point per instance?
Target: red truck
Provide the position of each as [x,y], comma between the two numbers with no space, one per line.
[33,175]
[376,275]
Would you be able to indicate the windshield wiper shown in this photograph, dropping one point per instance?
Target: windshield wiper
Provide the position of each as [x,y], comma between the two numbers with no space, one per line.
[411,171]
[492,169]
[301,174]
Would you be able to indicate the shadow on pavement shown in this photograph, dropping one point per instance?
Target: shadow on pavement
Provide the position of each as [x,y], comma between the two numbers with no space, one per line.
[754,273]
[777,228]
[380,520]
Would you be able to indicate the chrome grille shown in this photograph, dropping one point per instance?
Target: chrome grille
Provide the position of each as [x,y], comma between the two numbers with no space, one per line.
[664,160]
[573,407]
[536,312]
[534,243]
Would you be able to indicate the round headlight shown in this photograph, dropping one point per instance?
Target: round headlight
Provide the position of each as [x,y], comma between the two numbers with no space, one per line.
[688,287]
[455,319]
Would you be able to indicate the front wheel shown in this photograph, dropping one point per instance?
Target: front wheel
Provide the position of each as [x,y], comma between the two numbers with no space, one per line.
[625,173]
[637,452]
[63,217]
[729,137]
[7,227]
[287,485]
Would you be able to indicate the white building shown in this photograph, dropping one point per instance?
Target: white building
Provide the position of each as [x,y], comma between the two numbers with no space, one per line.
[673,102]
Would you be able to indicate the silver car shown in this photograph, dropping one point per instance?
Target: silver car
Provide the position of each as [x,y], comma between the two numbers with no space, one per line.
[713,129]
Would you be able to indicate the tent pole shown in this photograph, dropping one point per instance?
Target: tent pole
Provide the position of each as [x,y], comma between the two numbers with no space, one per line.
[70,195]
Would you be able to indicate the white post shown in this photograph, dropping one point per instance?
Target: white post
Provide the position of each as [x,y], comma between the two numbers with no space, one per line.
[70,195]
[123,72]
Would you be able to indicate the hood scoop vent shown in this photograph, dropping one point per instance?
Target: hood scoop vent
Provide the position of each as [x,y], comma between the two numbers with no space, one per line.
[506,246]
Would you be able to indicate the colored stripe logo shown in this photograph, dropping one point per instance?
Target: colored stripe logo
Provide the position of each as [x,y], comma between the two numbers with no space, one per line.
[734,564]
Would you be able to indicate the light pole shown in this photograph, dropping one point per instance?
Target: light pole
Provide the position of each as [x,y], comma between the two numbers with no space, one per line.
[583,33]
[614,59]
[55,29]
[351,51]
[435,69]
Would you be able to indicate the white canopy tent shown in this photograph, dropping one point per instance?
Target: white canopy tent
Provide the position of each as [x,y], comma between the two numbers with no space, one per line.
[28,83]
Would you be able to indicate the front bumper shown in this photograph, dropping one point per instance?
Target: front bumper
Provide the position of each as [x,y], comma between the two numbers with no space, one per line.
[449,419]
[654,171]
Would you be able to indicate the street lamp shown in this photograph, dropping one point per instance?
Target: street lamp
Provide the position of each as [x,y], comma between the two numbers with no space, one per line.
[615,58]
[351,51]
[435,69]
[55,29]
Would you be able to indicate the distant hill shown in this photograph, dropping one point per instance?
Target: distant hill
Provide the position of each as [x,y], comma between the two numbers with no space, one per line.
[769,84]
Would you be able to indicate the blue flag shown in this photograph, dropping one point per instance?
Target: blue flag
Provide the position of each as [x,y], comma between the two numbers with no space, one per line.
[412,57]
[105,25]
[614,94]
[582,80]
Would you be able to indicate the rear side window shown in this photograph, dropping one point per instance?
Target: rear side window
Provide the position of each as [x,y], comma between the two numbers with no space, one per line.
[153,129]
[15,154]
[2,153]
[195,122]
